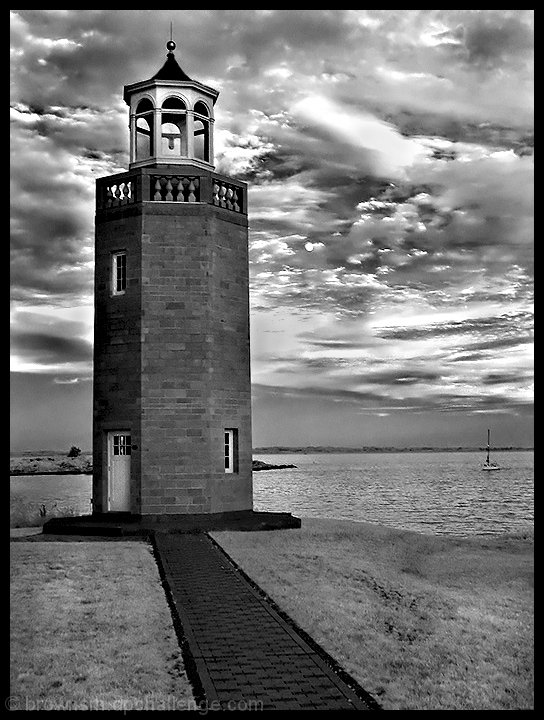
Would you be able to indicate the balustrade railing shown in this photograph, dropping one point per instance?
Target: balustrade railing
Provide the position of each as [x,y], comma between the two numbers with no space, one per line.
[227,195]
[126,189]
[175,188]
[118,193]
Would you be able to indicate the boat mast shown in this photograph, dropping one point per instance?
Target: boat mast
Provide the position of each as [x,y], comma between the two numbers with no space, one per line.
[487,461]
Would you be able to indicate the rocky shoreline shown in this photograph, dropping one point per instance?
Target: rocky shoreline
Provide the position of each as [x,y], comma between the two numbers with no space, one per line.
[51,464]
[83,465]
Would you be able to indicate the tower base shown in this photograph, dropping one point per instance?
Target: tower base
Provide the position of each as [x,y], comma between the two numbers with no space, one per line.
[125,524]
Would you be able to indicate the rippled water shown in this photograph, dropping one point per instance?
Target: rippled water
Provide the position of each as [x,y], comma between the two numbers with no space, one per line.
[437,493]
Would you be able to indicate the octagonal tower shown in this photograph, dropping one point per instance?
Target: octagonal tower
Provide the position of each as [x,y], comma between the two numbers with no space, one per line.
[172,394]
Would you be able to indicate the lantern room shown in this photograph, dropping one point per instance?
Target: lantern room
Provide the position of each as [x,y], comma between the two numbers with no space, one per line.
[171,118]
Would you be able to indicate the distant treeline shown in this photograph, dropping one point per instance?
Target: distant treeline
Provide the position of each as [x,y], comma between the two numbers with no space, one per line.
[370,449]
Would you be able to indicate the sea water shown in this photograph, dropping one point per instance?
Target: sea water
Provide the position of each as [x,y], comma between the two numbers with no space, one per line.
[437,493]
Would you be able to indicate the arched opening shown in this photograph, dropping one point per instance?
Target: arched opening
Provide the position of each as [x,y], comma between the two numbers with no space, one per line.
[173,128]
[173,135]
[202,132]
[202,141]
[144,137]
[144,129]
[201,109]
[174,103]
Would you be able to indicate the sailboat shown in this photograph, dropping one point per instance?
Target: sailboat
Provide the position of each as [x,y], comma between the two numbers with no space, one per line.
[489,465]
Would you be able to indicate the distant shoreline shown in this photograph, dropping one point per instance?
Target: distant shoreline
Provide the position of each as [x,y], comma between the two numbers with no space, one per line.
[51,463]
[19,473]
[310,450]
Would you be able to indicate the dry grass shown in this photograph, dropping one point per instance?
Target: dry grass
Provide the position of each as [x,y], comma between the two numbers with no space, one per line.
[422,622]
[91,628]
[33,514]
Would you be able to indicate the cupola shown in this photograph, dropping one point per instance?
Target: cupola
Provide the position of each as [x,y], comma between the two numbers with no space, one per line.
[171,118]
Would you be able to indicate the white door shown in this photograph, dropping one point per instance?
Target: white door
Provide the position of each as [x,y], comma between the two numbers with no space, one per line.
[119,448]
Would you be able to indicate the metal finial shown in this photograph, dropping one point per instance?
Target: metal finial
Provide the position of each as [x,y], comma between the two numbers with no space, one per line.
[170,45]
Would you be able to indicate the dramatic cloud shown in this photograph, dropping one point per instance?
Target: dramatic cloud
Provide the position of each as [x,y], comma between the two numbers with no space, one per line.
[390,161]
[52,342]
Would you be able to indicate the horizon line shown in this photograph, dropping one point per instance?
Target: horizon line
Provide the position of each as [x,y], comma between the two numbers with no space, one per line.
[348,448]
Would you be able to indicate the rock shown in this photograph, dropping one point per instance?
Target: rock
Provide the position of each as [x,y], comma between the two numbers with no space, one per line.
[260,465]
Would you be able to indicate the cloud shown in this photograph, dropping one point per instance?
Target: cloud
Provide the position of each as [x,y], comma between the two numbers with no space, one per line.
[364,139]
[50,348]
[494,40]
[506,325]
[51,342]
[421,366]
[390,168]
[506,378]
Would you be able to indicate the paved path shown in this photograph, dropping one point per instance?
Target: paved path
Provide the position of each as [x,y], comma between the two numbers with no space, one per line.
[243,650]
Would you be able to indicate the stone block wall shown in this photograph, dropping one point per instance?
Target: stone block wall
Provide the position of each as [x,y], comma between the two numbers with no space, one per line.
[117,349]
[172,360]
[195,359]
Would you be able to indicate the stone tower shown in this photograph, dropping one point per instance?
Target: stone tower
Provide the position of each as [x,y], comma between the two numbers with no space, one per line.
[172,395]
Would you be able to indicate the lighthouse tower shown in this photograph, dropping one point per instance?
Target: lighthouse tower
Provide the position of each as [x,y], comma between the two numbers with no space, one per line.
[172,395]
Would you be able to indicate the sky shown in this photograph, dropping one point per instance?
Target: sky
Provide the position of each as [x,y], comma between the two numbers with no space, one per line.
[389,156]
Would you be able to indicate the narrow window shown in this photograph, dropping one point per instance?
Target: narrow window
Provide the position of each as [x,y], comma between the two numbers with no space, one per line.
[119,273]
[231,450]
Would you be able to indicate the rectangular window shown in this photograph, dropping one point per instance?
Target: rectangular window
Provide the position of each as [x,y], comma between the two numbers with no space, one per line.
[119,273]
[231,450]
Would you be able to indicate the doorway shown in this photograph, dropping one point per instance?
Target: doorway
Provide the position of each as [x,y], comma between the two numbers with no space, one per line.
[119,451]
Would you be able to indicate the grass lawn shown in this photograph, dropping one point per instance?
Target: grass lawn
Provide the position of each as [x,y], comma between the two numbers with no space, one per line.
[90,625]
[422,622]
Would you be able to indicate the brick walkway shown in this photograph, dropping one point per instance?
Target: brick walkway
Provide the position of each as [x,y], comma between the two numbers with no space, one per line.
[242,649]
